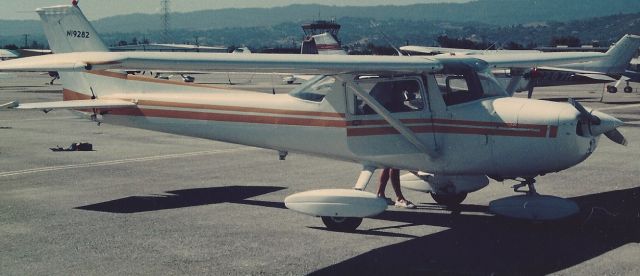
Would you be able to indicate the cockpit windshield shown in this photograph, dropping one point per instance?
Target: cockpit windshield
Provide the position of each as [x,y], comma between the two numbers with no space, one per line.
[461,81]
[315,89]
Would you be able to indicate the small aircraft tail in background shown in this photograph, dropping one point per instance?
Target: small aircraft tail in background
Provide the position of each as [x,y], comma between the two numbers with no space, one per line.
[617,57]
[68,30]
[322,44]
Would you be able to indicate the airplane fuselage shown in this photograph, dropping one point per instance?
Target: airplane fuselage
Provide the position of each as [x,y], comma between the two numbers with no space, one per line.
[500,136]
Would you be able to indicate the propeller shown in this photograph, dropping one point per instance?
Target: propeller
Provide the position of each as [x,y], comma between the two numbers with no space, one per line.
[600,123]
[584,113]
[616,137]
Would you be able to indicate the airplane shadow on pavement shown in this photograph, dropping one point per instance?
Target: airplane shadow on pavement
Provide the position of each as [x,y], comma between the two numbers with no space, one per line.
[488,245]
[182,198]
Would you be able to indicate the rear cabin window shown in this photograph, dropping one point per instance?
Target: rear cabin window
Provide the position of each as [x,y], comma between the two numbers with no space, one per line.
[395,95]
[315,89]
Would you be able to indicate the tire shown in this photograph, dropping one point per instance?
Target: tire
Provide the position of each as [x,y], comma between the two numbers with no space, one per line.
[341,224]
[290,82]
[449,199]
[628,89]
[612,89]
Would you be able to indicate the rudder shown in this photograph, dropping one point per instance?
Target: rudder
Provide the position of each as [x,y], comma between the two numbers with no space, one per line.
[68,30]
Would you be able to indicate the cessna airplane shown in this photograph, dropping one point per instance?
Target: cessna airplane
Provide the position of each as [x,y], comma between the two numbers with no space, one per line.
[608,69]
[461,129]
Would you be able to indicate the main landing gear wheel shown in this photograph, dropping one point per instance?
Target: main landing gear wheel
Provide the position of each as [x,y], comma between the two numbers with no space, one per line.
[612,89]
[342,224]
[628,89]
[449,199]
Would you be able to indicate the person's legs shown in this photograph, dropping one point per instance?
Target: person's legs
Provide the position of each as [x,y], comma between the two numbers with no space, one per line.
[394,174]
[384,178]
[395,182]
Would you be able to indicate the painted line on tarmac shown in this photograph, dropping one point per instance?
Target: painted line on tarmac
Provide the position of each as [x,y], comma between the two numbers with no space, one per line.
[619,107]
[123,161]
[39,119]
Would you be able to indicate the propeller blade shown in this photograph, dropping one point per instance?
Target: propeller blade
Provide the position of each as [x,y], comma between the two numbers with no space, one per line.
[584,112]
[616,137]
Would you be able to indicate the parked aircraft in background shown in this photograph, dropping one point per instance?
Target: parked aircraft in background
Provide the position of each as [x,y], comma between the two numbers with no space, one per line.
[609,69]
[7,54]
[465,130]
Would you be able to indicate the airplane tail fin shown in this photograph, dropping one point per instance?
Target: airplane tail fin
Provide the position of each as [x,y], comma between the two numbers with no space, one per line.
[620,54]
[328,45]
[68,30]
[322,44]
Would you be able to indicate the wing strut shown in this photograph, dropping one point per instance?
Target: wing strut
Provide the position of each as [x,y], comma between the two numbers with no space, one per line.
[364,178]
[516,77]
[395,123]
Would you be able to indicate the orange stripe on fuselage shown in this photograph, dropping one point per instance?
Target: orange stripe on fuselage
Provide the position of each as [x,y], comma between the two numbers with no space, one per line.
[70,95]
[240,109]
[207,116]
[149,80]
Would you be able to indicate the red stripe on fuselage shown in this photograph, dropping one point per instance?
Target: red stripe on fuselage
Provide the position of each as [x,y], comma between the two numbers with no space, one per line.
[381,127]
[328,47]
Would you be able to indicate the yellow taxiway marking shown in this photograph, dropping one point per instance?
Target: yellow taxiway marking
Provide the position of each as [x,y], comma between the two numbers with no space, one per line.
[122,161]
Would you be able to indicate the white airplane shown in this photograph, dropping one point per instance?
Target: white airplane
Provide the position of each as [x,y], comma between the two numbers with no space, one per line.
[608,69]
[454,140]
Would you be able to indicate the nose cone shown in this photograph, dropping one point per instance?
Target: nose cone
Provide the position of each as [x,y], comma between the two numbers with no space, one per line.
[607,123]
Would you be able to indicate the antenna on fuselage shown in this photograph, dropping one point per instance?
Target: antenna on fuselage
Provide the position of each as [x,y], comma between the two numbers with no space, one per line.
[376,26]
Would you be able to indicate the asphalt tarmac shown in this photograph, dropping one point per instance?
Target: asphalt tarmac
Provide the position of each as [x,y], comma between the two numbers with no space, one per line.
[152,203]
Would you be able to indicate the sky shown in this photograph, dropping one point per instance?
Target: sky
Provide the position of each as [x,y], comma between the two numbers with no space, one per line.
[96,9]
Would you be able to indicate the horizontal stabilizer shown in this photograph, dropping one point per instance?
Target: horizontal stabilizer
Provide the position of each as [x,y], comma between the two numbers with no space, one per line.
[42,64]
[76,104]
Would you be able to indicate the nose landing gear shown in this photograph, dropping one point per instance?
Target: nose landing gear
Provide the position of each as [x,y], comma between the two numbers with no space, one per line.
[533,206]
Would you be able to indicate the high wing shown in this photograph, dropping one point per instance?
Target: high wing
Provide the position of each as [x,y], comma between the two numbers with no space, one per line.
[75,104]
[311,64]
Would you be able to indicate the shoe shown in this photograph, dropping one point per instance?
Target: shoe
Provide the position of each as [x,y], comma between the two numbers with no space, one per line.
[403,203]
[388,200]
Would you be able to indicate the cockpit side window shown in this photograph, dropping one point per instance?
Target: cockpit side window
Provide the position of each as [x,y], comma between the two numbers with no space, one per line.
[461,83]
[459,87]
[396,95]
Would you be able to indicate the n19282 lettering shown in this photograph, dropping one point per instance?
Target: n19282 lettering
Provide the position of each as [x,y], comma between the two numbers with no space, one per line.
[78,34]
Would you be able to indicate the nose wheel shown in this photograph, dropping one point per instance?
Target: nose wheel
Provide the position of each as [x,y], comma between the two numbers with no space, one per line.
[449,200]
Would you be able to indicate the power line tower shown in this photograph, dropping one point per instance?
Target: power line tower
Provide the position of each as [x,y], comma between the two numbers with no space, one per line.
[165,11]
